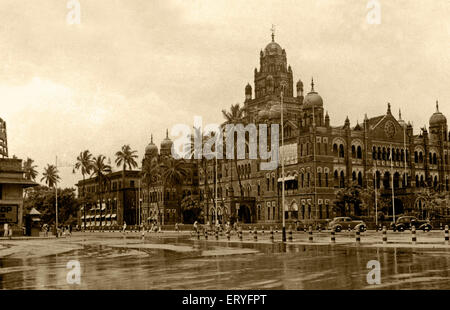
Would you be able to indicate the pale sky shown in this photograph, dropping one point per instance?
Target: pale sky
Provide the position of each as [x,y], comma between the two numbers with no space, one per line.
[136,67]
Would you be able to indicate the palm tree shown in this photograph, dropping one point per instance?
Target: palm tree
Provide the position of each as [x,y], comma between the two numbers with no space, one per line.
[126,158]
[30,170]
[233,117]
[149,173]
[50,175]
[173,175]
[202,162]
[100,170]
[84,164]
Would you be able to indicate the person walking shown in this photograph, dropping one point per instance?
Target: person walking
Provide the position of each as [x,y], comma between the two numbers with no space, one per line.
[6,230]
[124,227]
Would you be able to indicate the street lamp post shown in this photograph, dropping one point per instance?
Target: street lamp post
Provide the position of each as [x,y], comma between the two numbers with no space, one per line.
[283,85]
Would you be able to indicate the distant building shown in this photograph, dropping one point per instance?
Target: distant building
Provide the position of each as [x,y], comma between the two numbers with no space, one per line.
[115,203]
[12,183]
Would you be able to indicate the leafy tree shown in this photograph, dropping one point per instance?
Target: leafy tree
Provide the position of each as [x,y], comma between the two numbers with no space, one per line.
[433,202]
[50,175]
[126,158]
[173,174]
[100,170]
[362,199]
[191,210]
[233,117]
[42,198]
[202,162]
[84,164]
[30,169]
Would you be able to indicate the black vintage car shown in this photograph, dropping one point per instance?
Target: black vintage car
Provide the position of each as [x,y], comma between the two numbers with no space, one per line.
[406,222]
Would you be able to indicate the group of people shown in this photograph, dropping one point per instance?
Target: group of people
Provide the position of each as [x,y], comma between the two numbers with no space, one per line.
[220,227]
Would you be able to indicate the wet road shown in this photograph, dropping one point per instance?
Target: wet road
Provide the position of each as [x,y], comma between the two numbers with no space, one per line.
[180,263]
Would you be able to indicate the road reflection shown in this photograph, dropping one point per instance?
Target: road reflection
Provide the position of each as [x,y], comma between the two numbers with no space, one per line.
[141,264]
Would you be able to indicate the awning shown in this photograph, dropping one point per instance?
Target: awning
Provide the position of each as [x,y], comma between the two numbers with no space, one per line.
[288,178]
[113,215]
[108,216]
[97,216]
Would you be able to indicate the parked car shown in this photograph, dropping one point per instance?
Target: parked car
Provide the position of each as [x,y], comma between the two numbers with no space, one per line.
[345,222]
[406,222]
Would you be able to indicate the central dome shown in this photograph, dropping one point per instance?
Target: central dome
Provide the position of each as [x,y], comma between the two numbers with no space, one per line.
[273,48]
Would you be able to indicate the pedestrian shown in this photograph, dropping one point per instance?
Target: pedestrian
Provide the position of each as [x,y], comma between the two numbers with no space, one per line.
[124,226]
[196,226]
[176,227]
[6,230]
[10,232]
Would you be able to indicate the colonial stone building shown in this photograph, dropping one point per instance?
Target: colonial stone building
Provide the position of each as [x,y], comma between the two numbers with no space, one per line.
[320,158]
[115,202]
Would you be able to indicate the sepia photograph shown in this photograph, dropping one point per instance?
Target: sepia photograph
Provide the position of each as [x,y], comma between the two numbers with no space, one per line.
[224,150]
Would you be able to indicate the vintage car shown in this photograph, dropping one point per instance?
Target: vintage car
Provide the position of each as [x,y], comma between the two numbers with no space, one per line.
[345,222]
[406,222]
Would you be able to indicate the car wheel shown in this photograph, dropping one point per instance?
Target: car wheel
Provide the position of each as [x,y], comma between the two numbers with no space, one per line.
[401,228]
[362,228]
[338,229]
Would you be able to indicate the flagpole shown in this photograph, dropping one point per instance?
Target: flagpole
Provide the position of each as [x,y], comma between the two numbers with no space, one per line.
[376,187]
[282,166]
[56,195]
[392,178]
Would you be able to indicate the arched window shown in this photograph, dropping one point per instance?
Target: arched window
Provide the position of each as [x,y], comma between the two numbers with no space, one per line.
[420,158]
[354,176]
[387,180]
[430,158]
[417,181]
[379,153]
[335,149]
[353,151]
[342,180]
[341,151]
[434,159]
[384,154]
[435,182]
[359,152]
[360,179]
[336,178]
[374,153]
[326,179]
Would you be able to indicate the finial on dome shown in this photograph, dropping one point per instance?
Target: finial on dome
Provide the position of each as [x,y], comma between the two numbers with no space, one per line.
[399,114]
[151,138]
[389,108]
[167,133]
[437,105]
[312,84]
[273,32]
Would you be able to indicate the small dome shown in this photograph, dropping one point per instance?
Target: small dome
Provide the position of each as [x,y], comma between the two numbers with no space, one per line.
[437,118]
[313,98]
[151,148]
[299,84]
[166,143]
[248,89]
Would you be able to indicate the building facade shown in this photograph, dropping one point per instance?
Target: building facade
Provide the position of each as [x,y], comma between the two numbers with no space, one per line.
[115,202]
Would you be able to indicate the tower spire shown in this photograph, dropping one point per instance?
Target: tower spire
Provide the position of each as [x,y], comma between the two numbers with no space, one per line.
[167,133]
[273,32]
[399,114]
[151,138]
[389,108]
[437,105]
[312,84]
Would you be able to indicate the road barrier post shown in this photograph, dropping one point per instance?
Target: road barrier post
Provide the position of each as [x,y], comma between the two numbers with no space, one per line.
[271,234]
[446,235]
[413,235]
[333,236]
[255,236]
[358,236]
[310,232]
[384,235]
[290,234]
